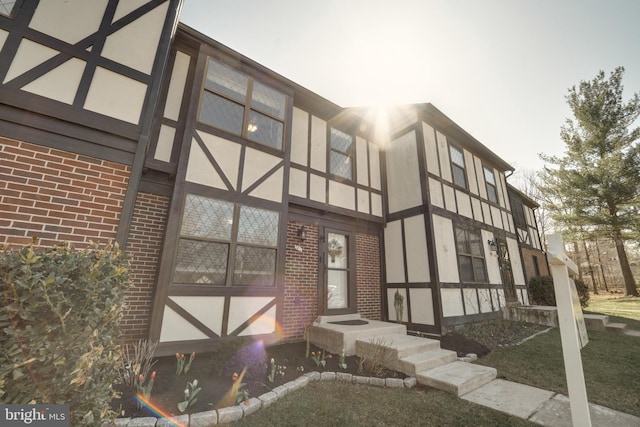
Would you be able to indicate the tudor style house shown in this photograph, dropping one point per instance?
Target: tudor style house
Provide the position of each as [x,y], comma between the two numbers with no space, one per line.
[249,205]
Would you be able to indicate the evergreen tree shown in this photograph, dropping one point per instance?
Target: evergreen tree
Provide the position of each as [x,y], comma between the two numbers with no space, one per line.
[597,181]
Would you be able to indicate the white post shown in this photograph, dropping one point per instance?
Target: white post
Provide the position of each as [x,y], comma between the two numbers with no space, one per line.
[560,263]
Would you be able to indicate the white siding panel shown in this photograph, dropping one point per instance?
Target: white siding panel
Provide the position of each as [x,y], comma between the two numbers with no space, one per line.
[256,165]
[376,204]
[200,171]
[421,306]
[471,172]
[61,83]
[477,209]
[485,300]
[403,178]
[470,301]
[443,153]
[482,186]
[516,264]
[363,200]
[177,328]
[493,267]
[29,55]
[226,153]
[242,309]
[449,198]
[70,20]
[445,249]
[176,86]
[504,191]
[362,161]
[318,189]
[318,144]
[435,193]
[297,183]
[165,143]
[115,95]
[430,149]
[3,37]
[270,188]
[394,261]
[451,302]
[496,217]
[342,195]
[374,165]
[464,204]
[416,245]
[207,310]
[505,221]
[299,136]
[486,211]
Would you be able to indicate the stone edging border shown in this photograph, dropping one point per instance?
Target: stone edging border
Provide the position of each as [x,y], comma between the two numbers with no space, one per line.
[235,413]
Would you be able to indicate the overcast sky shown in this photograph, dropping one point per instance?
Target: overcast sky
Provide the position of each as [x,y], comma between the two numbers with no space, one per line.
[498,68]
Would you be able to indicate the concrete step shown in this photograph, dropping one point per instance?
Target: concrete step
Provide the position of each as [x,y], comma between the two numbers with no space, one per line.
[424,361]
[397,346]
[596,322]
[335,337]
[618,328]
[632,332]
[457,377]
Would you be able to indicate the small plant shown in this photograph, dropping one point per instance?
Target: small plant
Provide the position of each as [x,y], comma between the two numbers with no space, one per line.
[342,362]
[189,395]
[181,366]
[144,390]
[272,371]
[242,394]
[374,361]
[320,357]
[138,363]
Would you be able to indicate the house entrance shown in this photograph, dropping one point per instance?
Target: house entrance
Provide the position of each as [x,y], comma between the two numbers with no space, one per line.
[337,281]
[505,271]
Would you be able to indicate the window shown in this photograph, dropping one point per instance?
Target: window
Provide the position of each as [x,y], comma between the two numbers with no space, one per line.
[210,244]
[341,157]
[517,210]
[490,179]
[236,103]
[457,167]
[337,271]
[7,6]
[470,256]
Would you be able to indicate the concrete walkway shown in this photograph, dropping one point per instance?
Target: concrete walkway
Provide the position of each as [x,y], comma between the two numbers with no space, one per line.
[542,406]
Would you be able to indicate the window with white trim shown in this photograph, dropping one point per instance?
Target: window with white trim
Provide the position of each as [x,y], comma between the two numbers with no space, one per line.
[457,167]
[490,180]
[470,256]
[237,103]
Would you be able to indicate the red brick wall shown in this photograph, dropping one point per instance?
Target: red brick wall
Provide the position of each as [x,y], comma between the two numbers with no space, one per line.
[144,246]
[55,195]
[368,276]
[300,305]
[529,269]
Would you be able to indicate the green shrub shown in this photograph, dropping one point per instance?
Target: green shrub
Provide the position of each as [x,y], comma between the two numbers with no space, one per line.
[59,326]
[541,291]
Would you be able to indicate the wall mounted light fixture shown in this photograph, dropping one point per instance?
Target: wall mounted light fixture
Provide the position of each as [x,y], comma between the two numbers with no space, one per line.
[302,233]
[492,246]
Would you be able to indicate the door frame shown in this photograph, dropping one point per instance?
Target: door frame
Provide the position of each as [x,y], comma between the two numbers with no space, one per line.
[508,282]
[323,257]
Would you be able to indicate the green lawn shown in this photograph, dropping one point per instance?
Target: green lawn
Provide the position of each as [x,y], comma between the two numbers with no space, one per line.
[619,309]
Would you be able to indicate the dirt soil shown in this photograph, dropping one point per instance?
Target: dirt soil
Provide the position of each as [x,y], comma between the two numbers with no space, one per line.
[215,376]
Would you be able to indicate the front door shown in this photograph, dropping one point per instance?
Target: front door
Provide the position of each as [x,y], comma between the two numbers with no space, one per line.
[505,270]
[337,287]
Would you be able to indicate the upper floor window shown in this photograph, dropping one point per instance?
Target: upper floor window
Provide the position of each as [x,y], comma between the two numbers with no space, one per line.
[457,167]
[7,6]
[341,157]
[239,104]
[517,210]
[490,179]
[470,256]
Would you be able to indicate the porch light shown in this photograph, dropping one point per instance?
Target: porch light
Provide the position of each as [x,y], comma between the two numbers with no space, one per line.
[492,246]
[302,233]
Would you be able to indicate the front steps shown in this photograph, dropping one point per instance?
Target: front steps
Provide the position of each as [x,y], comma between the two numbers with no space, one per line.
[424,359]
[600,322]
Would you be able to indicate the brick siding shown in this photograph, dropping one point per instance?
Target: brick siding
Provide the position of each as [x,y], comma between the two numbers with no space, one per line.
[144,246]
[527,258]
[54,195]
[368,276]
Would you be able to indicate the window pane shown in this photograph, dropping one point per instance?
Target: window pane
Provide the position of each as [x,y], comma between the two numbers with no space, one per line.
[462,242]
[475,244]
[466,269]
[258,226]
[340,141]
[491,193]
[264,130]
[337,249]
[458,176]
[208,218]
[457,157]
[337,296]
[254,266]
[268,100]
[478,270]
[488,175]
[341,165]
[6,6]
[221,113]
[226,81]
[200,262]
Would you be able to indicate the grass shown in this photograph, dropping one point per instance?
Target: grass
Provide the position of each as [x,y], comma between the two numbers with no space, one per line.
[619,309]
[345,404]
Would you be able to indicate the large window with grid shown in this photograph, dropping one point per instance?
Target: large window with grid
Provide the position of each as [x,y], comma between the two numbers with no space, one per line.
[341,154]
[226,244]
[457,167]
[490,180]
[7,7]
[237,103]
[470,256]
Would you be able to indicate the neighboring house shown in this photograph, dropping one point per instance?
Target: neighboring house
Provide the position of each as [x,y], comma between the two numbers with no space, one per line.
[249,204]
[533,256]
